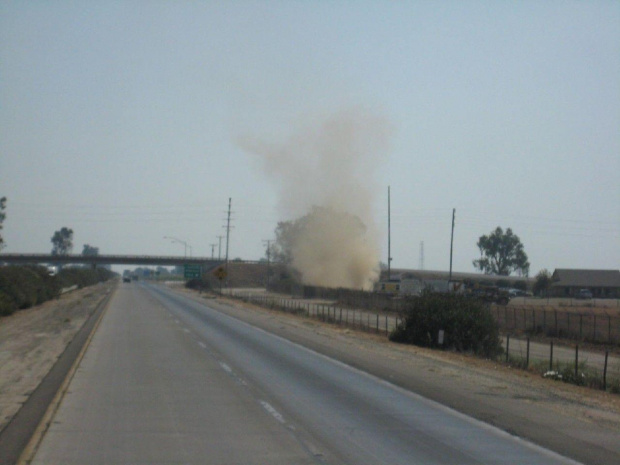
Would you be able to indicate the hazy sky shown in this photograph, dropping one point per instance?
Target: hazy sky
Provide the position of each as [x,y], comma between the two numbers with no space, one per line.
[122,121]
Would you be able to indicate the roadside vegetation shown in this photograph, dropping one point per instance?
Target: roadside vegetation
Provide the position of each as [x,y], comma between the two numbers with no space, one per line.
[449,321]
[198,284]
[23,287]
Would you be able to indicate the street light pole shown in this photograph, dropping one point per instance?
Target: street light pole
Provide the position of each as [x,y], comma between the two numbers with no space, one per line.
[176,239]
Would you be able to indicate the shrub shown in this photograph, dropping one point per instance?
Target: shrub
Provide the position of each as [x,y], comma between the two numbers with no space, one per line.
[7,305]
[83,277]
[25,286]
[21,284]
[467,323]
[198,284]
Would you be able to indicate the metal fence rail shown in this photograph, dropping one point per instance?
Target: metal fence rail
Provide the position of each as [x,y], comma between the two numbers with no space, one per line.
[363,320]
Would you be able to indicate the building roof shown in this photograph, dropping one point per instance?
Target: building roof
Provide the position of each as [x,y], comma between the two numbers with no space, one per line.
[426,275]
[586,278]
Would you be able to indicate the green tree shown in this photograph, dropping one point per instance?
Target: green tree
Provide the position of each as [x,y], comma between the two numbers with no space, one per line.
[2,217]
[501,253]
[543,283]
[90,251]
[62,241]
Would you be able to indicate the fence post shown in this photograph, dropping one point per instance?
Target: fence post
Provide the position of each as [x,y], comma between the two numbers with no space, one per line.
[605,371]
[551,357]
[507,347]
[609,328]
[527,354]
[581,326]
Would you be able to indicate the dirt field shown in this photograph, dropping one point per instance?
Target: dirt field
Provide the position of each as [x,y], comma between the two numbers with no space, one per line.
[599,306]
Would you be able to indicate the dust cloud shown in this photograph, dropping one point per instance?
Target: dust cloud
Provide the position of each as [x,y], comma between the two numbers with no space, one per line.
[326,172]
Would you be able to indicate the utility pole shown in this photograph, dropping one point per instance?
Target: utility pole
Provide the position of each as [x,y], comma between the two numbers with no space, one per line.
[212,251]
[219,253]
[389,262]
[451,244]
[228,232]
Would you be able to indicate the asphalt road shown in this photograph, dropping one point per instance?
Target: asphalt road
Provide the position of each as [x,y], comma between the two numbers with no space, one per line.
[166,379]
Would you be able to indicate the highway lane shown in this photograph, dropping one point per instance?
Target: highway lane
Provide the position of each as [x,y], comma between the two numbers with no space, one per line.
[169,380]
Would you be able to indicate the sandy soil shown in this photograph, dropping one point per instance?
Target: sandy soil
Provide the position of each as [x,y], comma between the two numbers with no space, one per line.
[31,341]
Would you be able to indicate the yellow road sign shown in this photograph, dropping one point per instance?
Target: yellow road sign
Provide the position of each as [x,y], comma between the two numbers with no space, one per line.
[220,273]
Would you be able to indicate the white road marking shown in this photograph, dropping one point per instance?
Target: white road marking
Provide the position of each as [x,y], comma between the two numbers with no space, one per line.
[226,368]
[273,412]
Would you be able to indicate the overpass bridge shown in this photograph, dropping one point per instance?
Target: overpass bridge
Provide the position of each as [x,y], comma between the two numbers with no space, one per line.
[94,260]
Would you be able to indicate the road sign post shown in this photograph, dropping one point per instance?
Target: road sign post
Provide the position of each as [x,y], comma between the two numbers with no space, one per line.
[220,273]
